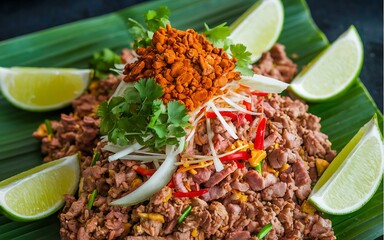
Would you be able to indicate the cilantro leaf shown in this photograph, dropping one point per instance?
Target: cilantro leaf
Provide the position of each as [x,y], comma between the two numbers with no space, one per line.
[157,18]
[154,19]
[157,109]
[103,61]
[176,131]
[148,89]
[177,113]
[118,136]
[218,35]
[160,130]
[239,51]
[132,96]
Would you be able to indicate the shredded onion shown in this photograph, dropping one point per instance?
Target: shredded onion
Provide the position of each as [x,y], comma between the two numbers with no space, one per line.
[157,181]
[196,121]
[142,157]
[156,163]
[227,109]
[145,151]
[246,98]
[241,109]
[203,158]
[126,151]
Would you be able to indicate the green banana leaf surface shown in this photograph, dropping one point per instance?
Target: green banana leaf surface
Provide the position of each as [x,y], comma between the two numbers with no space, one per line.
[72,45]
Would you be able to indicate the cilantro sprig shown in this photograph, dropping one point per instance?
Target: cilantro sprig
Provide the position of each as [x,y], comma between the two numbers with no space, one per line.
[140,113]
[154,19]
[219,36]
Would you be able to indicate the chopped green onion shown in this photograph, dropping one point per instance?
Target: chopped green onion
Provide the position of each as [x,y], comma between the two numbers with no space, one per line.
[92,198]
[48,126]
[264,231]
[258,167]
[185,214]
[96,156]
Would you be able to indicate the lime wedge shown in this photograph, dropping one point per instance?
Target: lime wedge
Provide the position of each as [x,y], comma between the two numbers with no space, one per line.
[333,71]
[42,89]
[39,192]
[259,27]
[354,175]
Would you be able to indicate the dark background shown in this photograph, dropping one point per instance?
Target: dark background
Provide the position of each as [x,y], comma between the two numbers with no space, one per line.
[333,17]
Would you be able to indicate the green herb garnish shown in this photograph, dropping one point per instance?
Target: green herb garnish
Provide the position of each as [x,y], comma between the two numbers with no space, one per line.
[185,214]
[154,19]
[103,61]
[239,51]
[219,36]
[264,231]
[259,167]
[48,127]
[96,156]
[92,199]
[140,114]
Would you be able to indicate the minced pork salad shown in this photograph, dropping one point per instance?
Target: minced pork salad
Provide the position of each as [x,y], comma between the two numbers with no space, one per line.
[175,147]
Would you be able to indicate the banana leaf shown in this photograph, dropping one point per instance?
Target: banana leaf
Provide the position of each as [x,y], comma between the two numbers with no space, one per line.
[72,45]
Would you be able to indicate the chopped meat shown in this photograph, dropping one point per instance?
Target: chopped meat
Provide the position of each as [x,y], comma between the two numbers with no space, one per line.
[278,157]
[276,190]
[276,64]
[301,173]
[202,175]
[151,227]
[219,176]
[258,182]
[239,235]
[179,183]
[240,200]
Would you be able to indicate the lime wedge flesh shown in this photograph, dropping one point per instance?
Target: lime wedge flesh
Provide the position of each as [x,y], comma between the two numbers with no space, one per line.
[354,175]
[259,27]
[332,71]
[42,89]
[39,192]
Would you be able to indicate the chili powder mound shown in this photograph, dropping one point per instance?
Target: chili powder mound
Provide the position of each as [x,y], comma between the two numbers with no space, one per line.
[188,67]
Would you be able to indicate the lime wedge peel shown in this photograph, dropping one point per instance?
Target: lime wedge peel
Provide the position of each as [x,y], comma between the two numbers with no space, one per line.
[39,192]
[354,175]
[330,74]
[259,27]
[43,89]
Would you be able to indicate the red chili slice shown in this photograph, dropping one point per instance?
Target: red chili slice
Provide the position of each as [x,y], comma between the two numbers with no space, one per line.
[247,105]
[239,164]
[144,171]
[171,184]
[190,194]
[223,113]
[241,155]
[260,94]
[259,139]
[249,117]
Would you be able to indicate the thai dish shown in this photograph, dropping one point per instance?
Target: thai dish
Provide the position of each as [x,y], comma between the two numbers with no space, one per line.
[177,147]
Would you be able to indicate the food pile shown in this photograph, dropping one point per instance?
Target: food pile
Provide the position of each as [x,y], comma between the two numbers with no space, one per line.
[248,165]
[185,64]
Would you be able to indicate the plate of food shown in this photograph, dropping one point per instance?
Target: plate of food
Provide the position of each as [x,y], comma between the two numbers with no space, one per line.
[180,127]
